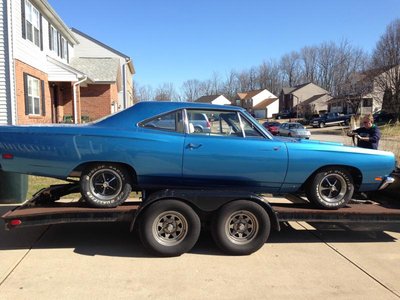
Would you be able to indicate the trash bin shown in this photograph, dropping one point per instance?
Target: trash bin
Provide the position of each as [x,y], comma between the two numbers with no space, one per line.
[13,187]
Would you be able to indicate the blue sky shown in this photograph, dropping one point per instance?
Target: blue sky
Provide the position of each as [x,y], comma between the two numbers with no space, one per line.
[173,41]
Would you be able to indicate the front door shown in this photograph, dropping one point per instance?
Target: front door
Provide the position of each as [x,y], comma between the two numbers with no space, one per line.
[233,153]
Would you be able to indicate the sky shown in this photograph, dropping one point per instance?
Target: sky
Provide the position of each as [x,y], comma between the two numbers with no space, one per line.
[178,40]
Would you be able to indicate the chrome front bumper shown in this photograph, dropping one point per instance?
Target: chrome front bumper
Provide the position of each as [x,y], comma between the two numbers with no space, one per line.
[388,180]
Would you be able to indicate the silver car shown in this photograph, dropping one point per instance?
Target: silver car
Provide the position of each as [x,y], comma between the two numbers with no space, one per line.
[294,129]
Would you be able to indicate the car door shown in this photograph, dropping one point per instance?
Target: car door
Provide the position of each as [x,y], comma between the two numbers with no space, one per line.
[234,154]
[158,149]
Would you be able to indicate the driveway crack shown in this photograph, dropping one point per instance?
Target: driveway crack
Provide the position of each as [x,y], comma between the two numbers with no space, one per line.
[25,255]
[352,262]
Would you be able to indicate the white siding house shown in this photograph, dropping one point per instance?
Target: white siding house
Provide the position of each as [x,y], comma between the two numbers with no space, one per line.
[91,48]
[261,103]
[214,99]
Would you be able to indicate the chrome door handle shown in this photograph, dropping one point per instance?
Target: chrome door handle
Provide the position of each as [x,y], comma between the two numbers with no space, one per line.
[193,146]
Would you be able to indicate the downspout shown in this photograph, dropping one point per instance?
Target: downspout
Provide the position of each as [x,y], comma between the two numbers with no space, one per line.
[127,61]
[9,64]
[75,100]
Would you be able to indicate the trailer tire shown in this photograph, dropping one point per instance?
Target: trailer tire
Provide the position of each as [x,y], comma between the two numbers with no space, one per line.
[169,228]
[330,188]
[105,185]
[241,227]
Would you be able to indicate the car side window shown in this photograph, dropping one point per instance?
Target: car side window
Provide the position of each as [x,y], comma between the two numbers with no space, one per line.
[168,122]
[220,123]
[249,129]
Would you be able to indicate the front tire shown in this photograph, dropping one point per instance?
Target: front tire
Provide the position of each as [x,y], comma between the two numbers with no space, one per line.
[105,185]
[330,188]
[241,227]
[169,228]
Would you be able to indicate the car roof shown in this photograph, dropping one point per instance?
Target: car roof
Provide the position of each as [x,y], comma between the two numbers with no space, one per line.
[147,109]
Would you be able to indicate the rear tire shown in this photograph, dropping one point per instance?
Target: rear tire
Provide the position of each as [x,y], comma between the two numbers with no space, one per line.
[105,185]
[321,125]
[330,188]
[169,228]
[241,227]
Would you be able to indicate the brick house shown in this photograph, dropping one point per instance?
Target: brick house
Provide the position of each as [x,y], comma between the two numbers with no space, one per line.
[38,84]
[304,99]
[104,66]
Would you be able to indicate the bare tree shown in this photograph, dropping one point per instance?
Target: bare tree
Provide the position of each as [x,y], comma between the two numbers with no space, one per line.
[191,90]
[309,58]
[144,93]
[387,57]
[166,92]
[291,69]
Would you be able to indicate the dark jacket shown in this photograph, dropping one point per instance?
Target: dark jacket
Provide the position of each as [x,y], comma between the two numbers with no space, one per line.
[374,135]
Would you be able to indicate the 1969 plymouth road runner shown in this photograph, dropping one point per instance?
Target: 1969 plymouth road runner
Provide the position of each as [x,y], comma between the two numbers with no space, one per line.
[156,145]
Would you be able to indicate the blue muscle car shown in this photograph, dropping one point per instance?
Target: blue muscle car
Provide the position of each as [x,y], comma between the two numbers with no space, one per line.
[155,145]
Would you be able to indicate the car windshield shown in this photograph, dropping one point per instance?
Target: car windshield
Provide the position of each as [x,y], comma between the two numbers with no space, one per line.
[296,126]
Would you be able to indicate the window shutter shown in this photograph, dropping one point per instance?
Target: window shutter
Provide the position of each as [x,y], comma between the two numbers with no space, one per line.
[50,39]
[23,18]
[26,94]
[43,98]
[67,52]
[58,44]
[41,32]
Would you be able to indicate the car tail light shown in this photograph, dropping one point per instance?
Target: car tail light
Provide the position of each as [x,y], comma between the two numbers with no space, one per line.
[15,222]
[208,124]
[8,156]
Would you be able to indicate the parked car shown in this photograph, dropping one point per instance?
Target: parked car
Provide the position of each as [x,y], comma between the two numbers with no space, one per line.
[384,117]
[286,114]
[294,129]
[134,150]
[332,118]
[272,127]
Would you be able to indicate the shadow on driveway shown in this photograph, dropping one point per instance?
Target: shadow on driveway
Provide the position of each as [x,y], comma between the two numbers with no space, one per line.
[114,239]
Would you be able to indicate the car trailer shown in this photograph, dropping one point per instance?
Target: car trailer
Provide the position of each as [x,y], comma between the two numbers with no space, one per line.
[169,221]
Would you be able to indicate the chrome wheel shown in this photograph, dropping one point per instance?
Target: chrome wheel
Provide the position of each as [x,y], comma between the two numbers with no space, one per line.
[170,228]
[332,188]
[241,227]
[105,184]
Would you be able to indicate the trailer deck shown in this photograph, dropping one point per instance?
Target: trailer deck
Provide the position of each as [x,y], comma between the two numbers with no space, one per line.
[32,214]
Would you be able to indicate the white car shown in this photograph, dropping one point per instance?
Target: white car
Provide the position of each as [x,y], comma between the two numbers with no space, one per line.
[294,129]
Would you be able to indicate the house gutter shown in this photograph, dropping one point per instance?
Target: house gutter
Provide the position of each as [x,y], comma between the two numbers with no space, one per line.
[127,61]
[75,100]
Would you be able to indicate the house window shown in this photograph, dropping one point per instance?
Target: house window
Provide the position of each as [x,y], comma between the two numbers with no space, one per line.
[367,103]
[32,95]
[53,39]
[32,23]
[64,48]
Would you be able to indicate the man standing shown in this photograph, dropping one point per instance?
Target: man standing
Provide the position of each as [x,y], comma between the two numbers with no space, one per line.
[368,135]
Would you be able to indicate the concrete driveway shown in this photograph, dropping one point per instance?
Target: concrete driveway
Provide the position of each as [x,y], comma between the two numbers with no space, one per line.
[106,261]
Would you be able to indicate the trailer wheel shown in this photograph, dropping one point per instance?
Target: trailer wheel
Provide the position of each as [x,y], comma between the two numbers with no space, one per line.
[241,227]
[331,188]
[105,185]
[169,228]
